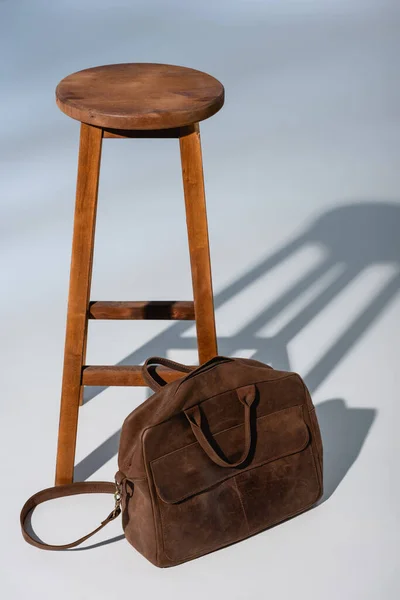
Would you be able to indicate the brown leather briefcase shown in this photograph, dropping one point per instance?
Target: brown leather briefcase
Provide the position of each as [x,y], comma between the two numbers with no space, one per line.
[232,448]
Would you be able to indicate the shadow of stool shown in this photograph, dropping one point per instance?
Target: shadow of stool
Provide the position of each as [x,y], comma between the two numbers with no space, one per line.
[343,431]
[354,237]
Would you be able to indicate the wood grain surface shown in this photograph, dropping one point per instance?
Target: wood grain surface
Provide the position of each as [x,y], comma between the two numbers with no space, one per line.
[139,96]
[199,249]
[78,299]
[120,375]
[167,310]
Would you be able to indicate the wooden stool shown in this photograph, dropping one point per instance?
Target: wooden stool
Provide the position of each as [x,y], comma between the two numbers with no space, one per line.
[131,101]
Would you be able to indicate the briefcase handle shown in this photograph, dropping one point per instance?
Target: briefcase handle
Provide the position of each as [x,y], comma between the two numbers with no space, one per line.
[156,382]
[246,395]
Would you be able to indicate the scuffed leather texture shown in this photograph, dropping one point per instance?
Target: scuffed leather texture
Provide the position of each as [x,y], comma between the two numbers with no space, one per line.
[178,503]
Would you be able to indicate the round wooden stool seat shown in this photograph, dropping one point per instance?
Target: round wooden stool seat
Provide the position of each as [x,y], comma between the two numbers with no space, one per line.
[139,96]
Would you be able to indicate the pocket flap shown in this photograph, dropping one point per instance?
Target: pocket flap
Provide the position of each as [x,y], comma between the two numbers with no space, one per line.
[189,471]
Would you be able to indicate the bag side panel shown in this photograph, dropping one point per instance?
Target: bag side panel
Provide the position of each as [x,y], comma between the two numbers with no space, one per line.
[310,418]
[138,518]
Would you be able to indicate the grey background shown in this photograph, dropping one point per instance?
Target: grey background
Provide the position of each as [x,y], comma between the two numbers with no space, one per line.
[301,171]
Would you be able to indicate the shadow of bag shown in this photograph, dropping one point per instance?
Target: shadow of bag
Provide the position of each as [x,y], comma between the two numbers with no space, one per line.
[229,450]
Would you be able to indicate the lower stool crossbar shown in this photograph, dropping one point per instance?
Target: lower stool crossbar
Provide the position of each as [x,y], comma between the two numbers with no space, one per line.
[123,375]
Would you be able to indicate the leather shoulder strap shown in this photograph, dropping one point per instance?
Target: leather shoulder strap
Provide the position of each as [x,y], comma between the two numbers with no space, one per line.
[84,487]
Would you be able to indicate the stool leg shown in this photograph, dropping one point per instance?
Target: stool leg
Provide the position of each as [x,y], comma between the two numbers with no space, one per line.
[78,299]
[196,219]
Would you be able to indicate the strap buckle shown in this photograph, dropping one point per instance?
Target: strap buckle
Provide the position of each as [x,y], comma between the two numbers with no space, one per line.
[117,500]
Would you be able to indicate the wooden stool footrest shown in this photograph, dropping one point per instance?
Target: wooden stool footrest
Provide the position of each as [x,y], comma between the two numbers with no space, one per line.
[123,375]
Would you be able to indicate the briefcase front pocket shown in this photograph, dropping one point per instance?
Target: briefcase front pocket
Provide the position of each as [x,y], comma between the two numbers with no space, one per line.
[203,506]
